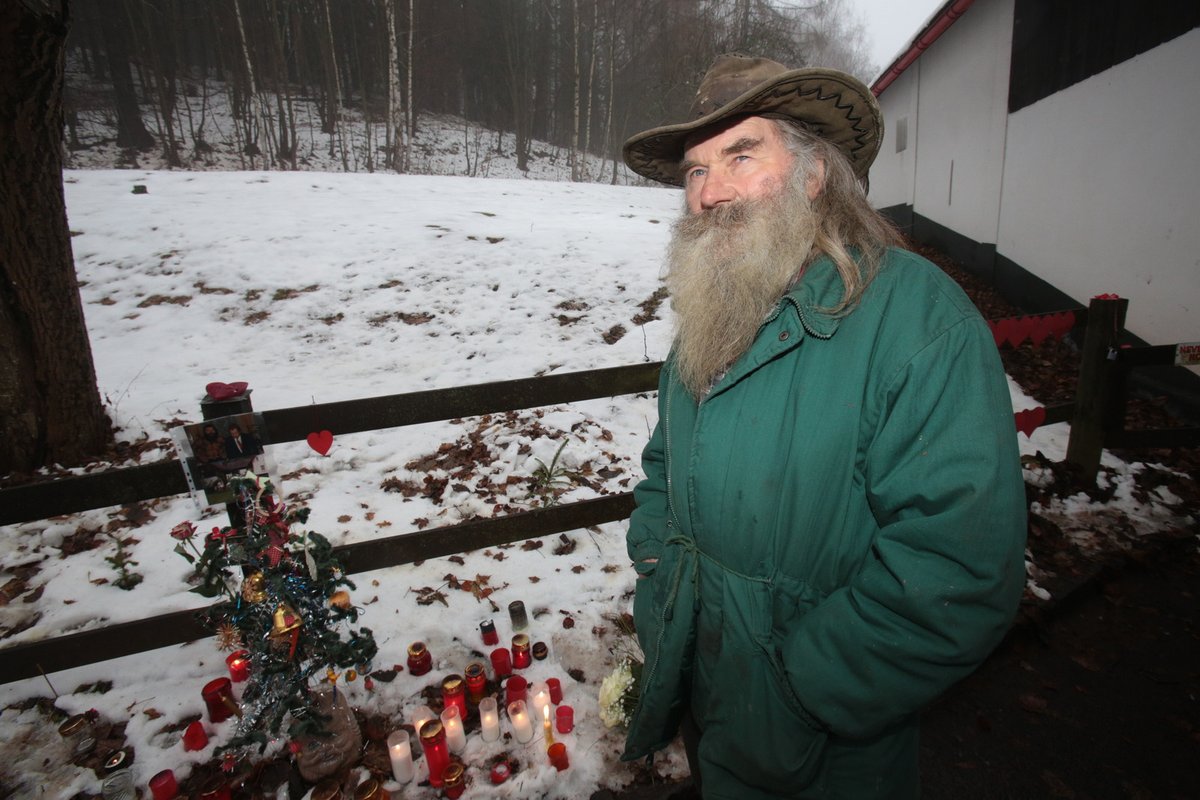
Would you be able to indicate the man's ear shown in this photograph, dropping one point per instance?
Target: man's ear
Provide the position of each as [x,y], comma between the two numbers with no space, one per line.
[816,181]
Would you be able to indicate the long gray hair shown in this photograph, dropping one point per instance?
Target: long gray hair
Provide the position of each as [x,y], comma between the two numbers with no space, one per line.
[846,221]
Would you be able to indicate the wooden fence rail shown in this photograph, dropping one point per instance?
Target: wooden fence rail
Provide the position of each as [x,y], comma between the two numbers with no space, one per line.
[1105,426]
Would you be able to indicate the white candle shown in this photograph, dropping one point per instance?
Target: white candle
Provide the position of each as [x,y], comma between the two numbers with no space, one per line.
[519,717]
[400,752]
[420,716]
[489,719]
[540,693]
[456,737]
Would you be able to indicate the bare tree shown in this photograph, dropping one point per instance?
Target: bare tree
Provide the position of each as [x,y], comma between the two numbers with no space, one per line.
[50,409]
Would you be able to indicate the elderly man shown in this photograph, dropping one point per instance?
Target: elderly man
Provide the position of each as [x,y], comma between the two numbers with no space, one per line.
[831,528]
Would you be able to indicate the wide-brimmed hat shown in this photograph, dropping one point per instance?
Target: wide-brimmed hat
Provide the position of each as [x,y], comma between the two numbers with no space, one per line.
[833,105]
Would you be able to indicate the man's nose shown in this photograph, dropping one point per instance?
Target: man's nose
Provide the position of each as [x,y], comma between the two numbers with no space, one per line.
[717,189]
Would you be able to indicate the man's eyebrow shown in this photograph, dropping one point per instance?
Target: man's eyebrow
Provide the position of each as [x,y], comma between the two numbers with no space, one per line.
[742,145]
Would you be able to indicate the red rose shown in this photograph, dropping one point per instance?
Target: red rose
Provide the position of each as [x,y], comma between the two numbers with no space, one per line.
[183,531]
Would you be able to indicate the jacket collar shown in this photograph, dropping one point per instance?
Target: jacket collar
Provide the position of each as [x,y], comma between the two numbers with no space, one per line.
[820,288]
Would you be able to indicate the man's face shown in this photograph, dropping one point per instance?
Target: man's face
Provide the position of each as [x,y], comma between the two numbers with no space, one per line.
[234,431]
[745,161]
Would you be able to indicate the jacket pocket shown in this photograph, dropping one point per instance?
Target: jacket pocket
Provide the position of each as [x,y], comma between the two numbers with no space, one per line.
[754,725]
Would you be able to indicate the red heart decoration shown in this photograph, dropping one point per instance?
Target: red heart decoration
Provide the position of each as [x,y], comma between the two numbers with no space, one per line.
[1064,322]
[995,328]
[320,441]
[226,391]
[1030,420]
[1042,327]
[1003,330]
[1022,328]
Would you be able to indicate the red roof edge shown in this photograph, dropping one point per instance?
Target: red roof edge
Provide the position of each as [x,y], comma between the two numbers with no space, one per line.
[937,26]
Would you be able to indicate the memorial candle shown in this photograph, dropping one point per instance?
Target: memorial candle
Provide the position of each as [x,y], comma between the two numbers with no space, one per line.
[454,694]
[564,719]
[194,738]
[476,681]
[520,651]
[218,697]
[239,665]
[456,737]
[514,689]
[501,662]
[420,660]
[522,725]
[489,719]
[437,754]
[163,786]
[558,756]
[547,731]
[541,697]
[400,752]
[555,687]
[420,716]
[487,629]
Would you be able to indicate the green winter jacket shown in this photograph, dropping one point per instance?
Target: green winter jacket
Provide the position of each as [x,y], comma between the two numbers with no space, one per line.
[839,529]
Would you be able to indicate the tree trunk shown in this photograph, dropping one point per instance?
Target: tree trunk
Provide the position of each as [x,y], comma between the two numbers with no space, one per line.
[50,410]
[114,24]
[395,107]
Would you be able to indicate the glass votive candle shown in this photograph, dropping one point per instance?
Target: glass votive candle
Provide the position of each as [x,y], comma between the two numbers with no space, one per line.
[515,689]
[239,665]
[328,789]
[517,615]
[454,781]
[452,723]
[540,651]
[489,719]
[555,687]
[454,693]
[487,629]
[541,697]
[400,754]
[557,753]
[421,715]
[476,681]
[437,753]
[163,786]
[215,788]
[195,737]
[79,734]
[218,697]
[501,662]
[564,719]
[520,651]
[522,725]
[420,660]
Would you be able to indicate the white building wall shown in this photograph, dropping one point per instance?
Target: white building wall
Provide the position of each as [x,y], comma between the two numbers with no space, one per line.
[1102,189]
[963,105]
[894,171]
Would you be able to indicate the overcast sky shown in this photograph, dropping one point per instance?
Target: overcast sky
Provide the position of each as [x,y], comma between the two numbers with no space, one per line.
[892,23]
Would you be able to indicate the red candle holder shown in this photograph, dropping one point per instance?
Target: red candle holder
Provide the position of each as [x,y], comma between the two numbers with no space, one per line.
[557,753]
[454,781]
[420,660]
[501,662]
[515,689]
[555,687]
[564,719]
[476,682]
[218,696]
[487,629]
[437,754]
[163,786]
[520,651]
[454,694]
[194,738]
[239,665]
[500,772]
[215,789]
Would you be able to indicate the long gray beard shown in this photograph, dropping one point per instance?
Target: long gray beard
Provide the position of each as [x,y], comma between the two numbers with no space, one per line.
[727,268]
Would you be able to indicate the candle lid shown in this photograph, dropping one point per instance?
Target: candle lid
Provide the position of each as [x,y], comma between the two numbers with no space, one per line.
[328,789]
[540,650]
[431,730]
[452,775]
[73,725]
[474,669]
[368,790]
[416,648]
[452,683]
[521,641]
[487,626]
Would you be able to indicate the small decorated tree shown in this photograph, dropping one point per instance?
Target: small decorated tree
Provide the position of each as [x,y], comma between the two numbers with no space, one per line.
[287,604]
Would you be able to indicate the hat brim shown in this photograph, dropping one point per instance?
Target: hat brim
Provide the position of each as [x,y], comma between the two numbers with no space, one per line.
[833,105]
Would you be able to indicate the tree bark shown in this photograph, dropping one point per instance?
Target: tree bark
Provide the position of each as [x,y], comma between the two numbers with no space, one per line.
[50,409]
[114,25]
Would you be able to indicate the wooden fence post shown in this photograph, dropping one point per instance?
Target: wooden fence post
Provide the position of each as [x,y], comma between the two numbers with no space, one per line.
[1097,393]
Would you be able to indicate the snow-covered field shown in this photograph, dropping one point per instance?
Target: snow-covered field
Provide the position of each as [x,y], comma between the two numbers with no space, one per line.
[316,287]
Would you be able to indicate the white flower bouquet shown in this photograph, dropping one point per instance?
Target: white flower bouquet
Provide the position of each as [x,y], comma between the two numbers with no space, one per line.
[621,690]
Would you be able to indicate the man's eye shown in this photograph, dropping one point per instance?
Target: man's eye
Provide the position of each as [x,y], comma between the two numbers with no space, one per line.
[695,172]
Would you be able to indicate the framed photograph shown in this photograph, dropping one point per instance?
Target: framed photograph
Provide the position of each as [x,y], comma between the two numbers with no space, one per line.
[215,450]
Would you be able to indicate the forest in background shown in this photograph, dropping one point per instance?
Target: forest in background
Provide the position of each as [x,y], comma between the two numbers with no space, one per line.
[181,80]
